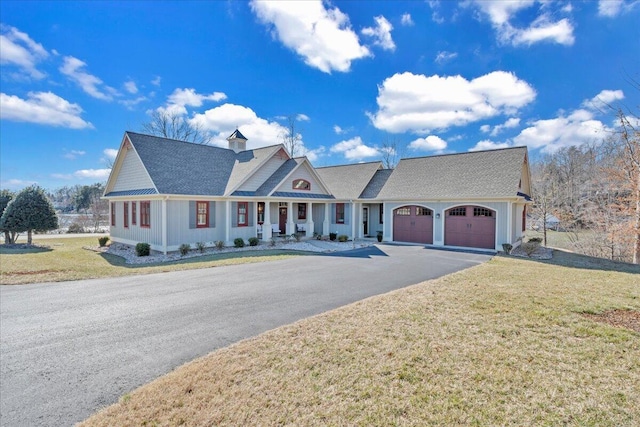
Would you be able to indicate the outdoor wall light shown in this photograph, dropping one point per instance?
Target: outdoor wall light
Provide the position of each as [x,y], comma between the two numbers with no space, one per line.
[437,216]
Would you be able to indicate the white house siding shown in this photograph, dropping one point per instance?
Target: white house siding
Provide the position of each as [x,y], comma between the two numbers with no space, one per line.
[262,174]
[133,175]
[134,233]
[501,209]
[178,231]
[301,173]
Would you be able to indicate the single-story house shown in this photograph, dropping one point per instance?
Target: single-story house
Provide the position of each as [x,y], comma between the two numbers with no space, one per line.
[166,192]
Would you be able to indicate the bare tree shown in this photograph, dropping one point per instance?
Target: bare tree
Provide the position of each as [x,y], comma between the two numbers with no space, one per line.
[174,126]
[291,137]
[390,153]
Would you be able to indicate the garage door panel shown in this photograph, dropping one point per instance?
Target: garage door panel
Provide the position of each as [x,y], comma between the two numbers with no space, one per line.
[470,226]
[409,226]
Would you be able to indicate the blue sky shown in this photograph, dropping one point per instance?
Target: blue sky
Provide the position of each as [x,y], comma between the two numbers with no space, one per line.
[435,77]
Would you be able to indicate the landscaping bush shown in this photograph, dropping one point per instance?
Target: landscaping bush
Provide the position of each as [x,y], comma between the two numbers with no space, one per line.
[332,236]
[184,249]
[296,237]
[506,247]
[219,244]
[143,249]
[102,241]
[530,247]
[201,246]
[238,242]
[75,227]
[535,240]
[253,241]
[272,242]
[343,238]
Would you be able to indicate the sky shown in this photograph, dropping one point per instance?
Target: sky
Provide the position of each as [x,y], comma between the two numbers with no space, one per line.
[428,77]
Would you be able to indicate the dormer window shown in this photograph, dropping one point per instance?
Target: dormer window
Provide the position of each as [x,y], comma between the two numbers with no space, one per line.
[301,184]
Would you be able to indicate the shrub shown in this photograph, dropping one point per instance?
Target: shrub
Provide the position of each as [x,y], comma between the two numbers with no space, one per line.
[343,238]
[535,240]
[272,242]
[530,247]
[219,244]
[143,249]
[75,227]
[296,237]
[238,242]
[253,241]
[201,246]
[102,241]
[184,249]
[332,236]
[506,247]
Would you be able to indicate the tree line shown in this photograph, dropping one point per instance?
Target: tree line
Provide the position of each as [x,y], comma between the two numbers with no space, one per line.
[594,189]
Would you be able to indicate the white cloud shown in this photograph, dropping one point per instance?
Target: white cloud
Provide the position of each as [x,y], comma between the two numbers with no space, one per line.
[509,124]
[338,130]
[130,103]
[381,33]
[542,28]
[485,128]
[444,56]
[44,108]
[18,49]
[74,154]
[355,149]
[604,98]
[101,174]
[156,81]
[406,20]
[110,153]
[313,155]
[489,145]
[16,184]
[577,128]
[417,103]
[302,118]
[222,121]
[131,87]
[430,143]
[90,84]
[612,8]
[322,36]
[188,97]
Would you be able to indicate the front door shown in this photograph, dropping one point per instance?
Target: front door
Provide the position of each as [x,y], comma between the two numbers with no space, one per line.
[282,223]
[365,221]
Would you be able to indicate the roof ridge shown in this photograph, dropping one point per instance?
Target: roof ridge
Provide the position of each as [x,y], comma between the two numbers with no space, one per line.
[466,152]
[349,164]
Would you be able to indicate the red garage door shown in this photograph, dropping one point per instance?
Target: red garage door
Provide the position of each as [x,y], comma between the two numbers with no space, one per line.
[413,224]
[470,226]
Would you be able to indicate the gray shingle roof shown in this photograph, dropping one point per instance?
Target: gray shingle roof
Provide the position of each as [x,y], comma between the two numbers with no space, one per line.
[348,181]
[178,167]
[372,189]
[480,174]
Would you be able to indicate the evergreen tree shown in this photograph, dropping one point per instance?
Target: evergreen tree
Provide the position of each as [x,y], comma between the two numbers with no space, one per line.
[30,210]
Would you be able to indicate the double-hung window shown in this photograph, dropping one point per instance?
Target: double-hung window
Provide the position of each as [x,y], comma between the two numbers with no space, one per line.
[202,214]
[126,214]
[134,213]
[113,214]
[243,219]
[339,213]
[145,214]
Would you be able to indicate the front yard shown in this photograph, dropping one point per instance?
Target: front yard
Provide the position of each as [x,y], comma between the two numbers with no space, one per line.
[512,341]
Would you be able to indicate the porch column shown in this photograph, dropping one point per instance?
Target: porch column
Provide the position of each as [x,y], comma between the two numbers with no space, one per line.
[309,219]
[291,228]
[266,226]
[327,219]
[164,226]
[227,220]
[355,227]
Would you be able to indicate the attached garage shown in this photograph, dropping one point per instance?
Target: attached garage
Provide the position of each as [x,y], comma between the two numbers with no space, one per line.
[470,226]
[413,224]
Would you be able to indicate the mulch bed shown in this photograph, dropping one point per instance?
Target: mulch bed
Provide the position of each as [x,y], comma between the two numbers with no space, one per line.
[629,319]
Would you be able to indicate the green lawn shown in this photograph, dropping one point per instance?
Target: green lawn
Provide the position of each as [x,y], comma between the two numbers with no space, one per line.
[506,342]
[65,259]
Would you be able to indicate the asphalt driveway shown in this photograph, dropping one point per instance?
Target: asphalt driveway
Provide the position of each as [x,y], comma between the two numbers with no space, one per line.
[68,349]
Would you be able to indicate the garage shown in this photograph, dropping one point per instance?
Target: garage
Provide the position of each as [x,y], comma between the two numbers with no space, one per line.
[470,226]
[413,224]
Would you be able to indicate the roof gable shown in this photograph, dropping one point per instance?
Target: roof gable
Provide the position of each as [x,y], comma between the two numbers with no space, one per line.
[248,164]
[128,172]
[297,168]
[478,174]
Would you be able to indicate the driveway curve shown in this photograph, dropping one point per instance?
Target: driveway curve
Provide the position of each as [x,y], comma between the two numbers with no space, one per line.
[68,349]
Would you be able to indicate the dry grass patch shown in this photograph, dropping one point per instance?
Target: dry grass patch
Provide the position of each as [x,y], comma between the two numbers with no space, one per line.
[55,260]
[501,343]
